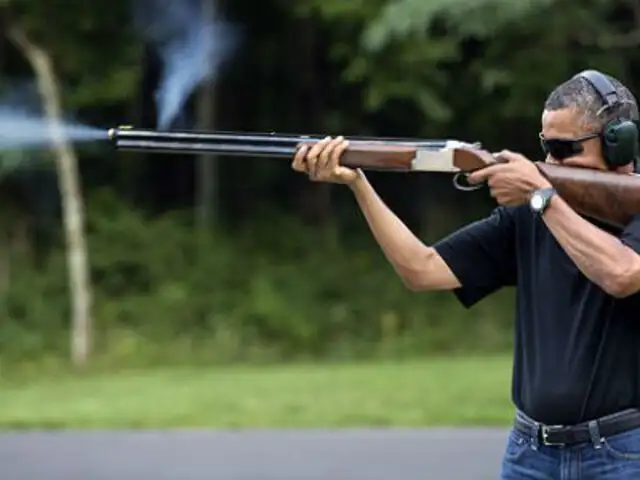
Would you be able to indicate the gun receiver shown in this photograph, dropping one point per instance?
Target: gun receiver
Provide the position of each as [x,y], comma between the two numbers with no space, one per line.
[605,196]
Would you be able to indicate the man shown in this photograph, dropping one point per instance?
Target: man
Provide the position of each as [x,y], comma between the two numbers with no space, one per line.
[576,375]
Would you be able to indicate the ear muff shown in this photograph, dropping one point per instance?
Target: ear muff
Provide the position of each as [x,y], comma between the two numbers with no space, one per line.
[620,143]
[620,138]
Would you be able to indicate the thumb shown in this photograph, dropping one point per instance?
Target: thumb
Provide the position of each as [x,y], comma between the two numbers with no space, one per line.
[345,174]
[342,172]
[507,156]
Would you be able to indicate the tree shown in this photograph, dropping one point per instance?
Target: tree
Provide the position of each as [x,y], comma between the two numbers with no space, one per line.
[70,190]
[419,51]
[89,48]
[207,192]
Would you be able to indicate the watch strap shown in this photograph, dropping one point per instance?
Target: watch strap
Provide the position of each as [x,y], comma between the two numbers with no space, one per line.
[546,194]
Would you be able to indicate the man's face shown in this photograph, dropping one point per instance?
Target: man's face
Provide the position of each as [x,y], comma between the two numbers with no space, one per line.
[566,124]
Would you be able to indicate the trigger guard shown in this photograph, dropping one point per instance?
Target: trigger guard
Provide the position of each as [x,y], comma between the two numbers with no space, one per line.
[465,187]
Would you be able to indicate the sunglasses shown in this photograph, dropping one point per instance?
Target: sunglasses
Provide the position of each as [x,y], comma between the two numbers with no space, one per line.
[563,148]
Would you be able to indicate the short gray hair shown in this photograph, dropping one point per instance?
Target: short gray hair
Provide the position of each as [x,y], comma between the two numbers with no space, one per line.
[579,94]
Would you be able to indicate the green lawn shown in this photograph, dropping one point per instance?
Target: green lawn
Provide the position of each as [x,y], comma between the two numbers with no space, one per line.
[464,391]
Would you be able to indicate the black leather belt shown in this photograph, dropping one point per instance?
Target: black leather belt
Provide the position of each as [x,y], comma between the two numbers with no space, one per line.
[560,435]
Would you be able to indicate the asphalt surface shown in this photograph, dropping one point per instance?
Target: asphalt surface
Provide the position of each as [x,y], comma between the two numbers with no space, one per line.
[253,455]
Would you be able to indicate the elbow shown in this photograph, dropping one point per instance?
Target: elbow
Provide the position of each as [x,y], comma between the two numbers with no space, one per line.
[411,278]
[416,276]
[412,284]
[619,287]
[622,283]
[616,289]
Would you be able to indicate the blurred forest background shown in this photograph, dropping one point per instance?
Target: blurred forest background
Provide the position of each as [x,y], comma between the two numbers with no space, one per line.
[223,260]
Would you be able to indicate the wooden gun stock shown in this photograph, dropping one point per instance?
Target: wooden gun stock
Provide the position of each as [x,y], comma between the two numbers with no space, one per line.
[612,198]
[609,197]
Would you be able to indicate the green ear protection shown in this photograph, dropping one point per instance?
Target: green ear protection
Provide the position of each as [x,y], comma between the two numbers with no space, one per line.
[620,138]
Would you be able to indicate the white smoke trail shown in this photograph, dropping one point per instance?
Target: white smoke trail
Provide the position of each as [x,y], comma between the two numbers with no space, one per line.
[191,47]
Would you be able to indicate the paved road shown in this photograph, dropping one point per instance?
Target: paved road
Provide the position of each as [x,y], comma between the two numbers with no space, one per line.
[253,455]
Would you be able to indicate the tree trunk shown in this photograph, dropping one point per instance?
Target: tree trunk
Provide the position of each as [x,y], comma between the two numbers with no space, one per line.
[207,181]
[70,191]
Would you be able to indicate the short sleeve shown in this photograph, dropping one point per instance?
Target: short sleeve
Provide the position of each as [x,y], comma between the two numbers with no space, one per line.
[631,234]
[482,256]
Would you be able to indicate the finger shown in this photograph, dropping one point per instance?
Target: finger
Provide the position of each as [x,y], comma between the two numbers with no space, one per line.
[318,147]
[509,202]
[502,197]
[483,174]
[509,156]
[312,156]
[495,181]
[337,152]
[324,166]
[497,157]
[298,160]
[477,177]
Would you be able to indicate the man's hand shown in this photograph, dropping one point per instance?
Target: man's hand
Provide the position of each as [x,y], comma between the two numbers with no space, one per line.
[322,162]
[512,180]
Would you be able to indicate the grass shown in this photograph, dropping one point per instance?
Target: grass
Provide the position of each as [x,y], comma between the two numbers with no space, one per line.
[437,392]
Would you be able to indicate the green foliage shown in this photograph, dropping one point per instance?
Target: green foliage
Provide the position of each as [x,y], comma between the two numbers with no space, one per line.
[163,293]
[471,61]
[95,52]
[412,18]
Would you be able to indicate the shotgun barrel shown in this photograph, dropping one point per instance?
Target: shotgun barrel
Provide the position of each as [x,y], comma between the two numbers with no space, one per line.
[241,143]
[372,153]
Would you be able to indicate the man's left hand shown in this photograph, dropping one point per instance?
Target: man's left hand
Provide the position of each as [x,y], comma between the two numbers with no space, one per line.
[512,180]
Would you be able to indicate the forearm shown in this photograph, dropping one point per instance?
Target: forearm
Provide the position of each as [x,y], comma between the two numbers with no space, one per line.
[600,256]
[417,264]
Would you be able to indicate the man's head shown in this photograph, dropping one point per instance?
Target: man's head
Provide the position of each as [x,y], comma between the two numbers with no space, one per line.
[576,111]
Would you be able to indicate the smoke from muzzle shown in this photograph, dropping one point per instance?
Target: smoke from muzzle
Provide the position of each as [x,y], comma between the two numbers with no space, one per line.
[191,45]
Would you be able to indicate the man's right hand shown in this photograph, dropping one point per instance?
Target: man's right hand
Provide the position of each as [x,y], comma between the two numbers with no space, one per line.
[321,162]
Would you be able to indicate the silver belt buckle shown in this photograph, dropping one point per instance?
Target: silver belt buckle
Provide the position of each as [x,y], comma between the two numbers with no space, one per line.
[546,429]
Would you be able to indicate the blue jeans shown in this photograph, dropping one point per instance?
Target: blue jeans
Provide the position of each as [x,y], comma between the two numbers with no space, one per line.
[615,457]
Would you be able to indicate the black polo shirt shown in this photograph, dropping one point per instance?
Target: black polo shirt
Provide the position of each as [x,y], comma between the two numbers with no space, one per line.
[577,349]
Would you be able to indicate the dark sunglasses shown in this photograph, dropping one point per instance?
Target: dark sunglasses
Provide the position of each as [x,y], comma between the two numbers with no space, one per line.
[563,148]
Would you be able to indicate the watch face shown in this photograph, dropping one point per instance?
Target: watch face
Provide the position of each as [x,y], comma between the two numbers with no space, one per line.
[537,202]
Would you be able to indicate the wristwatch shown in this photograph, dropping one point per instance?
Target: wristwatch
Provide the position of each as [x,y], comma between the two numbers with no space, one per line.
[540,199]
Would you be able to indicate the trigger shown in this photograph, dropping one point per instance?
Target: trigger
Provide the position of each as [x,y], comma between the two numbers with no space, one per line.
[461,182]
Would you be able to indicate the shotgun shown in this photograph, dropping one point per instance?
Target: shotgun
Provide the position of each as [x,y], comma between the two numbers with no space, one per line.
[609,197]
